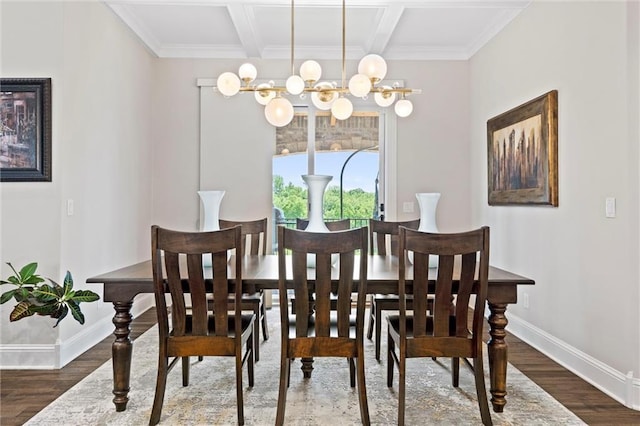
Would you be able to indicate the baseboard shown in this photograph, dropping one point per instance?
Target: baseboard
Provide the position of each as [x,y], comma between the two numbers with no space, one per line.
[622,387]
[55,356]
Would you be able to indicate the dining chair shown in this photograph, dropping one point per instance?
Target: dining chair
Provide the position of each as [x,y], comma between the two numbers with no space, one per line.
[463,268]
[332,333]
[332,225]
[383,240]
[198,331]
[254,239]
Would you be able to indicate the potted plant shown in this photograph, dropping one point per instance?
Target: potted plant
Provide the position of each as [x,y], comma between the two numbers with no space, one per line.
[35,296]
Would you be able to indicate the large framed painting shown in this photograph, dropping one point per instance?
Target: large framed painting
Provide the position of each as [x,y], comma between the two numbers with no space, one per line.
[25,138]
[523,153]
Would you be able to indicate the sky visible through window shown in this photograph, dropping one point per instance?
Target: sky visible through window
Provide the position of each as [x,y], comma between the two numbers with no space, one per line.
[360,172]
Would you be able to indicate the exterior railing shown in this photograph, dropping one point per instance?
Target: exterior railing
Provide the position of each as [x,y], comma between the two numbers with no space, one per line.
[355,222]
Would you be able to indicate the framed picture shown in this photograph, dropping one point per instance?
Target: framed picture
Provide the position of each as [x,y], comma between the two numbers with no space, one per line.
[25,137]
[523,153]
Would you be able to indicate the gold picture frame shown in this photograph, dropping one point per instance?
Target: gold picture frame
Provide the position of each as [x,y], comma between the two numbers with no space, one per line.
[522,147]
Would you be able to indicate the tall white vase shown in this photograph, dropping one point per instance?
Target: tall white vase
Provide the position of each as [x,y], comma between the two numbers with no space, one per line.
[428,202]
[211,215]
[316,185]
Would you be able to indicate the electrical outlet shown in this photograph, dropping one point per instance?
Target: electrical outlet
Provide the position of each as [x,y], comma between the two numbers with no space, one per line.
[407,207]
[525,300]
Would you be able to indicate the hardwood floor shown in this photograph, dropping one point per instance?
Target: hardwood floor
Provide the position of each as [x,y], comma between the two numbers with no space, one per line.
[25,392]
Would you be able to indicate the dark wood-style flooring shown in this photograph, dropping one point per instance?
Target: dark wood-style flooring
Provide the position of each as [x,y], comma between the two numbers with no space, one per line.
[25,392]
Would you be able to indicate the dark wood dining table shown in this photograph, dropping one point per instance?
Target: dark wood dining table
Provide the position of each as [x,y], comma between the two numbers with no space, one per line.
[261,273]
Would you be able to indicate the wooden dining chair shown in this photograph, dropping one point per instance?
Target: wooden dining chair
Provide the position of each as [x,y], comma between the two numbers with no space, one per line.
[331,334]
[332,225]
[383,240]
[254,239]
[463,269]
[198,331]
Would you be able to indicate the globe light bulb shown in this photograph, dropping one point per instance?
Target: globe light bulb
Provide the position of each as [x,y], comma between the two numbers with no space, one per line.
[373,66]
[342,108]
[279,112]
[310,71]
[385,99]
[359,85]
[247,72]
[403,108]
[323,100]
[263,97]
[228,84]
[295,84]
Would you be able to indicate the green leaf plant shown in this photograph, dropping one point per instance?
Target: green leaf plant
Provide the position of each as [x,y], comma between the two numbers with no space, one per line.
[36,297]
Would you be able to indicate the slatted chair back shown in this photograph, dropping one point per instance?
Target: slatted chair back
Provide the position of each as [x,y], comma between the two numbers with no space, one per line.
[332,225]
[382,233]
[254,233]
[331,335]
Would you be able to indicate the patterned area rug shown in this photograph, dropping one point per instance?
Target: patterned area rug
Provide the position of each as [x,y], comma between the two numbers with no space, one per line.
[325,399]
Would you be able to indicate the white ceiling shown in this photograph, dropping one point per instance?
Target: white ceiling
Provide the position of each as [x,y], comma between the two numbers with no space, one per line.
[446,29]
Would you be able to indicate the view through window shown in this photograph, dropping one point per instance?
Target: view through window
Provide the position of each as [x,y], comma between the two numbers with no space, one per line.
[347,150]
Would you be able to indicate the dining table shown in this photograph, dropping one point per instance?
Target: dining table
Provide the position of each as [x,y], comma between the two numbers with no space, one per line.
[260,272]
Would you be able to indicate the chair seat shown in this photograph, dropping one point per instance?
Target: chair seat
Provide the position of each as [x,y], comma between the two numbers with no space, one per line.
[394,322]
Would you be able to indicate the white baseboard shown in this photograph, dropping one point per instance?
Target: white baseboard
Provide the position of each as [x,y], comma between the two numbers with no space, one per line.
[622,387]
[55,356]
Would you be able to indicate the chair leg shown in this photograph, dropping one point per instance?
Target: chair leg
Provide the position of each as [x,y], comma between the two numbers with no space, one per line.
[250,367]
[185,370]
[371,318]
[352,372]
[402,364]
[455,371]
[161,385]
[239,399]
[390,360]
[285,370]
[378,329]
[256,333]
[362,392]
[263,316]
[481,391]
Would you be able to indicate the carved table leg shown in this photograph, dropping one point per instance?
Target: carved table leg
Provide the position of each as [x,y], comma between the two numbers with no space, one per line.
[307,367]
[121,351]
[498,356]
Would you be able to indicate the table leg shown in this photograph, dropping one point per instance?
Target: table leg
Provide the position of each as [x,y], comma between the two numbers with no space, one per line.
[121,351]
[498,355]
[307,367]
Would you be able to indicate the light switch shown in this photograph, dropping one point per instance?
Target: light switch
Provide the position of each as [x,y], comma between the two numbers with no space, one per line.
[69,207]
[610,207]
[407,207]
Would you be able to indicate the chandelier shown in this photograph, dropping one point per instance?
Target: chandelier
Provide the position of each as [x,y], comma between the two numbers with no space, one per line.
[324,95]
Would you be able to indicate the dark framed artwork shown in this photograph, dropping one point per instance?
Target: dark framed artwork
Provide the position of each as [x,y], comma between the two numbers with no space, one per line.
[523,153]
[25,136]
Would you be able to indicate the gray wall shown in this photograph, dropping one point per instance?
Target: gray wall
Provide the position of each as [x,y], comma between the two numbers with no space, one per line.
[584,308]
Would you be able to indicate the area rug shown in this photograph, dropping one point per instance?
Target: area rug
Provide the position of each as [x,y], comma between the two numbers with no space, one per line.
[325,399]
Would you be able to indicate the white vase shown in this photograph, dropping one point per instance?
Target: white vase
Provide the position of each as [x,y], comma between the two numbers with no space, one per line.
[428,203]
[211,215]
[316,185]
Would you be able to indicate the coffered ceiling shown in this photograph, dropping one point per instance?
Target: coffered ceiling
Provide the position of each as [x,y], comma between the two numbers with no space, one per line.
[446,29]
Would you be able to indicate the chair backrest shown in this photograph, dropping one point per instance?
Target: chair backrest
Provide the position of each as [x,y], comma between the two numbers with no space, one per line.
[180,254]
[325,279]
[332,225]
[254,233]
[463,269]
[381,231]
